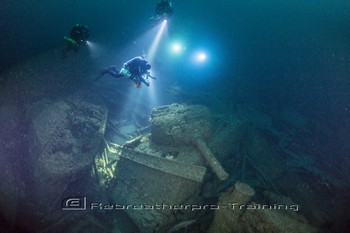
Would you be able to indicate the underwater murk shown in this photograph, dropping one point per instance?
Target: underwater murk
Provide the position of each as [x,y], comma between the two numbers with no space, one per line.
[173,116]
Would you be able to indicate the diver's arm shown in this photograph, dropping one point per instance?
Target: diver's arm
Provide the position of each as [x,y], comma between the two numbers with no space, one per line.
[148,75]
[144,81]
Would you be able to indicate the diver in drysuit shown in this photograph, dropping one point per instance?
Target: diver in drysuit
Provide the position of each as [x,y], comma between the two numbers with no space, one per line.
[164,10]
[78,37]
[137,69]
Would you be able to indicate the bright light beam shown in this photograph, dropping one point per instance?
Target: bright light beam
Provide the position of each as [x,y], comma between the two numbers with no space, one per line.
[150,57]
[94,49]
[153,49]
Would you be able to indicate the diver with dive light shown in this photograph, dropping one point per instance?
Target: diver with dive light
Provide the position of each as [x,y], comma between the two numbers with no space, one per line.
[78,37]
[164,10]
[137,69]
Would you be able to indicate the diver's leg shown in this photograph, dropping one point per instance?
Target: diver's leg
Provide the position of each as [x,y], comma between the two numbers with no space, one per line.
[112,70]
[103,72]
[76,48]
[117,75]
[115,72]
[66,49]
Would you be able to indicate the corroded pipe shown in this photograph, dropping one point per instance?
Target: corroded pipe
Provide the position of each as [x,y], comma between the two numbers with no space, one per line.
[210,158]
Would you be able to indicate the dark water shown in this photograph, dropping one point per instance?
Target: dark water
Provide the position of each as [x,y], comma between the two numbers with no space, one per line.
[272,55]
[297,51]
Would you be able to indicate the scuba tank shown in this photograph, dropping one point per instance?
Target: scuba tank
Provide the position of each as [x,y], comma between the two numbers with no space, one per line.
[70,40]
[125,72]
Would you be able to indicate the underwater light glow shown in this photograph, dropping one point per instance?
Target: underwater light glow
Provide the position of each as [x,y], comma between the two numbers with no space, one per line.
[152,50]
[90,44]
[201,57]
[94,49]
[177,48]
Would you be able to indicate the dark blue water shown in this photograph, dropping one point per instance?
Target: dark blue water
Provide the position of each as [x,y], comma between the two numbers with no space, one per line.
[272,55]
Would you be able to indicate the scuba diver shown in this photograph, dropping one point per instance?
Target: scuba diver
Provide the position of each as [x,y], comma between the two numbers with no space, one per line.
[164,10]
[136,69]
[78,36]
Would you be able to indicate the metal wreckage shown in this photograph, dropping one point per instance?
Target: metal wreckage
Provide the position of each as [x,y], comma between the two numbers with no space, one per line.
[189,169]
[168,178]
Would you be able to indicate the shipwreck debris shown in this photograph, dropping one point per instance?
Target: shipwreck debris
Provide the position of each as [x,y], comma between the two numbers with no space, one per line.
[178,124]
[160,186]
[225,220]
[65,136]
